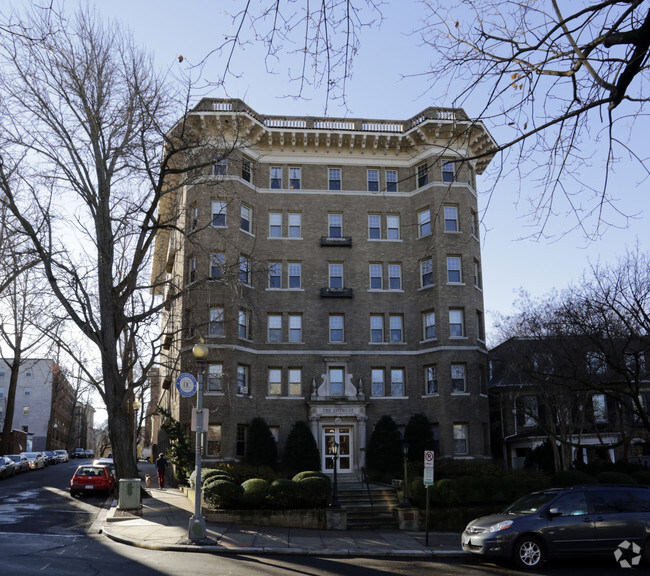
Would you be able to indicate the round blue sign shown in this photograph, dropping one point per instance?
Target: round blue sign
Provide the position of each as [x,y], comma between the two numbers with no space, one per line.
[186,384]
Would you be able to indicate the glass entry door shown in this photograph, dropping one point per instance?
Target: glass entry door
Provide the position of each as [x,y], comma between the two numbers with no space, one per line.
[343,437]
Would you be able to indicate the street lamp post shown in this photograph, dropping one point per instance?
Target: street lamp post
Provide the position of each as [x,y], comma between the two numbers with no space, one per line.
[197,529]
[136,407]
[54,447]
[405,454]
[334,449]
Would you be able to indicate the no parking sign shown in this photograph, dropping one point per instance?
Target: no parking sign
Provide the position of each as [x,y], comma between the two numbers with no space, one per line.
[428,467]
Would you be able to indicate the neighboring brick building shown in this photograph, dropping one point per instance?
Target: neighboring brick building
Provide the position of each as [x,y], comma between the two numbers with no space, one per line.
[333,267]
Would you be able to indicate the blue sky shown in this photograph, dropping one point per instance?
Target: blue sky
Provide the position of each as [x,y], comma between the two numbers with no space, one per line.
[387,83]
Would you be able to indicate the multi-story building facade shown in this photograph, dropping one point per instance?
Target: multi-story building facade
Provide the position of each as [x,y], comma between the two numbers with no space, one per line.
[333,268]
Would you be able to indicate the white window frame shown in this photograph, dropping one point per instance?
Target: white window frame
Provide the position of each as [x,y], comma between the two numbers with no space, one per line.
[295,328]
[392,227]
[244,324]
[245,270]
[275,224]
[217,265]
[426,272]
[295,382]
[374,226]
[452,223]
[391,180]
[377,381]
[335,275]
[461,439]
[429,325]
[295,178]
[377,328]
[274,381]
[448,171]
[376,273]
[219,214]
[454,270]
[395,276]
[243,379]
[335,224]
[334,179]
[422,174]
[396,328]
[275,275]
[373,179]
[397,382]
[431,379]
[246,221]
[295,225]
[215,377]
[458,373]
[276,177]
[216,326]
[294,273]
[456,319]
[424,222]
[336,326]
[274,328]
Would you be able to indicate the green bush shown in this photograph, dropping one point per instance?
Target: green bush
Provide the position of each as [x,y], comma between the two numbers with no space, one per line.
[417,492]
[255,491]
[309,474]
[314,491]
[301,450]
[384,453]
[215,473]
[283,494]
[470,490]
[242,472]
[612,477]
[571,478]
[642,476]
[447,489]
[261,448]
[222,494]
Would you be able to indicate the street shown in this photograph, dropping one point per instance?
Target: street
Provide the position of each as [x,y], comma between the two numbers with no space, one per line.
[45,531]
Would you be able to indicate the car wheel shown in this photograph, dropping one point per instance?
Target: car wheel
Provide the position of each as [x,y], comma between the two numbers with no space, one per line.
[646,552]
[529,552]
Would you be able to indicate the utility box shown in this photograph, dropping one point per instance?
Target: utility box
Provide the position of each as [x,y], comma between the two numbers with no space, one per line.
[129,494]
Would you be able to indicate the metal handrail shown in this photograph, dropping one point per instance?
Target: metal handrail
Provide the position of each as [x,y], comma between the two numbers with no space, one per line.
[364,480]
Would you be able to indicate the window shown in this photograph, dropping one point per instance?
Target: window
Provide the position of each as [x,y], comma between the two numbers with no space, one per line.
[243,378]
[451,218]
[216,321]
[529,410]
[25,410]
[336,328]
[454,270]
[244,270]
[431,379]
[246,170]
[295,225]
[240,445]
[447,171]
[397,382]
[191,269]
[599,404]
[335,225]
[194,217]
[246,218]
[189,322]
[373,180]
[218,213]
[2,390]
[336,376]
[377,379]
[295,328]
[478,280]
[480,325]
[214,440]
[424,222]
[275,224]
[460,439]
[392,227]
[275,381]
[376,277]
[596,362]
[426,272]
[295,381]
[474,224]
[295,275]
[244,324]
[394,276]
[374,226]
[275,275]
[276,177]
[28,391]
[220,166]
[215,377]
[217,265]
[429,325]
[458,378]
[396,328]
[274,322]
[391,180]
[423,175]
[334,176]
[456,323]
[335,275]
[294,178]
[376,328]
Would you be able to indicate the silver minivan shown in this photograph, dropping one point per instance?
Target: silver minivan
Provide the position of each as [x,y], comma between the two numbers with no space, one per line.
[598,519]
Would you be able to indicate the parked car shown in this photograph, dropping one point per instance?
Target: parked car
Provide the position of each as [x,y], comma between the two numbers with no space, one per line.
[92,479]
[586,520]
[105,462]
[36,460]
[62,455]
[52,458]
[78,453]
[7,467]
[20,462]
[89,453]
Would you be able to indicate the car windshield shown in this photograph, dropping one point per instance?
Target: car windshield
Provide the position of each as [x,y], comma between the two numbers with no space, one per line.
[531,503]
[30,454]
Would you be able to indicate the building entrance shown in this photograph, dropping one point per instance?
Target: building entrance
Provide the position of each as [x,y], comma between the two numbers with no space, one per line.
[341,435]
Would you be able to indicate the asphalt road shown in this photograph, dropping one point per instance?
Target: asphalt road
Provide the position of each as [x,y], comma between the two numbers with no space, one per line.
[45,531]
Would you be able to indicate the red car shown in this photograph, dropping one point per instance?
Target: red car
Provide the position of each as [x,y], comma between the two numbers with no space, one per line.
[91,479]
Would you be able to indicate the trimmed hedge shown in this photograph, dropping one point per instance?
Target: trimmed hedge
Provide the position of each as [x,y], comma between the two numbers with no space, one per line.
[222,494]
[283,494]
[255,492]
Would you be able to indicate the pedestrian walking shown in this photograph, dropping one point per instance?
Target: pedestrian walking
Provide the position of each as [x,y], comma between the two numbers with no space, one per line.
[161,466]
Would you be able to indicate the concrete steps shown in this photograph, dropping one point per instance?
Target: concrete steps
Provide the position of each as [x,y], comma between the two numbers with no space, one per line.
[368,509]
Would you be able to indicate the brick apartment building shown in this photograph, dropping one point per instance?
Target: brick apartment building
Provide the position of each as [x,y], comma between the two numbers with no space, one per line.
[333,268]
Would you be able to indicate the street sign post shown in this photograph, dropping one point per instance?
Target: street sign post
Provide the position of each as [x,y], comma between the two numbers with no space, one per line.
[186,384]
[429,459]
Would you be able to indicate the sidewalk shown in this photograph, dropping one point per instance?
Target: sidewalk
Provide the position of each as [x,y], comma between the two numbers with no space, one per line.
[163,525]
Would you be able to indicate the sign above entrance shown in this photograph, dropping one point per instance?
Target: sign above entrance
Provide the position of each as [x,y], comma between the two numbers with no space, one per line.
[186,385]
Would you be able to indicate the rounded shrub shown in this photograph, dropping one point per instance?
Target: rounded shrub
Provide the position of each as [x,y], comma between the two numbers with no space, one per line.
[255,492]
[417,492]
[215,473]
[471,490]
[571,478]
[613,477]
[447,489]
[222,494]
[309,474]
[314,491]
[283,494]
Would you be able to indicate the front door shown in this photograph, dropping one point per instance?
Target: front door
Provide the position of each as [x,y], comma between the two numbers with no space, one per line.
[341,435]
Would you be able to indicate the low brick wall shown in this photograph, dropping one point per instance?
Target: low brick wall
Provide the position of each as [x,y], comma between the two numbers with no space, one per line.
[314,519]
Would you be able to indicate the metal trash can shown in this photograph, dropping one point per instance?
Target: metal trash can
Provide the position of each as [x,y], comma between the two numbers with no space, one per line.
[129,494]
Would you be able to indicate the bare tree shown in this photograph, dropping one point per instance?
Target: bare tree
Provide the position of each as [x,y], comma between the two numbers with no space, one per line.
[84,166]
[563,80]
